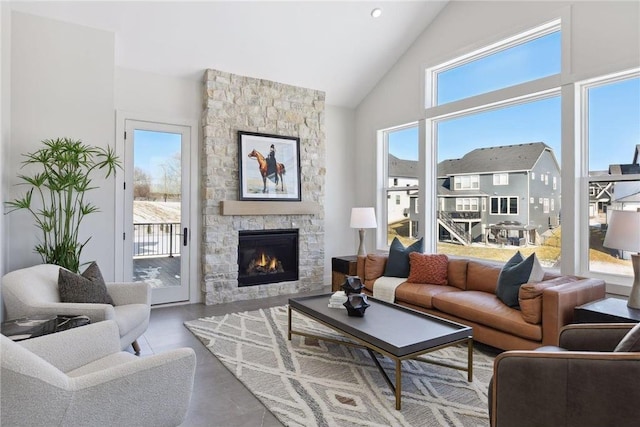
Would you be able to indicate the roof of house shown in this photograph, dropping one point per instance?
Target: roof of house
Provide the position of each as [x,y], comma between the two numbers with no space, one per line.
[517,157]
[401,168]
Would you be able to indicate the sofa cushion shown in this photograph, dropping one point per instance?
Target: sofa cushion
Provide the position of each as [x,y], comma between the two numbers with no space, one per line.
[398,261]
[482,276]
[428,268]
[514,273]
[457,273]
[86,288]
[374,267]
[631,341]
[421,294]
[486,309]
[530,297]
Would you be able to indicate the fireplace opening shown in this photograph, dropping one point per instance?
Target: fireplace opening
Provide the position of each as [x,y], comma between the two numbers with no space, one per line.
[267,256]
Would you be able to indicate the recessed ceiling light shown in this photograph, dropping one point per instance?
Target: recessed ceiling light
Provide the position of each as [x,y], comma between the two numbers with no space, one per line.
[376,13]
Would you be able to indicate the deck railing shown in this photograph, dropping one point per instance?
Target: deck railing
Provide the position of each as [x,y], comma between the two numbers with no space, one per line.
[153,239]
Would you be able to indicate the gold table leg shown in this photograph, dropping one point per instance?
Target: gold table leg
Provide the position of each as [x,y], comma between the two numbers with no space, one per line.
[398,382]
[470,360]
[289,327]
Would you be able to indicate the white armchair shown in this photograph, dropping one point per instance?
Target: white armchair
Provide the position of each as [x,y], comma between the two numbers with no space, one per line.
[34,290]
[80,377]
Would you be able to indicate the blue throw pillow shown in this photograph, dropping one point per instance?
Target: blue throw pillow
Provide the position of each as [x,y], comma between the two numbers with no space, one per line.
[398,261]
[516,272]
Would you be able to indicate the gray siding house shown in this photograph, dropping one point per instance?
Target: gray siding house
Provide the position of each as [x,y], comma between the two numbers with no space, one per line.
[506,194]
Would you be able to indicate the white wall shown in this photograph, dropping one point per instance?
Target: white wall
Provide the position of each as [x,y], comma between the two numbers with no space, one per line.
[62,79]
[5,96]
[605,36]
[341,172]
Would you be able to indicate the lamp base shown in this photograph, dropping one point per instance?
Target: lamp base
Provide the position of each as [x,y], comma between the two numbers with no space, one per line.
[361,250]
[634,296]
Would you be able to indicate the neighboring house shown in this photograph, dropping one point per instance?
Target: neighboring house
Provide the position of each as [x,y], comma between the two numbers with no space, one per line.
[507,194]
[402,213]
[625,195]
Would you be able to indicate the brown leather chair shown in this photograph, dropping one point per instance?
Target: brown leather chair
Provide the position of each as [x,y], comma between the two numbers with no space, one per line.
[591,379]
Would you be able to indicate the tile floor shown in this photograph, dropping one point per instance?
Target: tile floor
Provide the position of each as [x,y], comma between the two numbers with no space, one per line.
[219,399]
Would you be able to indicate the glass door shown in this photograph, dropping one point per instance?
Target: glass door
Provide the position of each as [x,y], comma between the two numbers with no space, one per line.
[156,225]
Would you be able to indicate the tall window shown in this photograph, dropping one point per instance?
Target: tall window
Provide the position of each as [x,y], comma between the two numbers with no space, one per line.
[611,109]
[506,144]
[402,183]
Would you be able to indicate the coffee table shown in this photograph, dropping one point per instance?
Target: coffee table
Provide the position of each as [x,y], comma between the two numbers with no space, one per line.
[388,329]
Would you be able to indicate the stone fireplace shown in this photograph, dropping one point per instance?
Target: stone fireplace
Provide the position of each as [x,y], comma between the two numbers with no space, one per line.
[234,103]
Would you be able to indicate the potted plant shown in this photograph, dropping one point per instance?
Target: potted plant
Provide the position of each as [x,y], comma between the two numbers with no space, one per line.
[56,199]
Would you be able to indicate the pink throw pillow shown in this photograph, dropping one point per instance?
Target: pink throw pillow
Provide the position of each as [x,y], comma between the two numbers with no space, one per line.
[428,268]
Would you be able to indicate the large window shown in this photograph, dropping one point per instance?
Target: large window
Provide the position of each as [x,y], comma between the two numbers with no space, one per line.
[611,111]
[401,183]
[507,128]
[511,146]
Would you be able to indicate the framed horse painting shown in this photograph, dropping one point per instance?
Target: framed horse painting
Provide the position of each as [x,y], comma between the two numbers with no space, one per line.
[269,167]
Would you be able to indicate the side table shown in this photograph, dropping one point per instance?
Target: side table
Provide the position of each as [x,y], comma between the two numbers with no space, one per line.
[40,324]
[607,310]
[341,267]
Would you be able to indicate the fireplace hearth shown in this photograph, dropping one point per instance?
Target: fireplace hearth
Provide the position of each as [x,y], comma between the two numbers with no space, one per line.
[267,256]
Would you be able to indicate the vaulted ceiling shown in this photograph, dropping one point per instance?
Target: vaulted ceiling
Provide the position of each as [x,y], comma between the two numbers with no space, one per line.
[333,46]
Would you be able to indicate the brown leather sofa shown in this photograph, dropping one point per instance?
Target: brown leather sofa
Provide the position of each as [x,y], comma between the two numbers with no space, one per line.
[469,298]
[585,383]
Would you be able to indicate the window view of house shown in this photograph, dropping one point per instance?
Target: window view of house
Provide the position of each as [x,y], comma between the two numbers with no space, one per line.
[402,179]
[510,157]
[613,133]
[498,165]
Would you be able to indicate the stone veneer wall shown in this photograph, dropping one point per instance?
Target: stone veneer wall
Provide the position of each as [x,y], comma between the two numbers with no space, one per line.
[234,103]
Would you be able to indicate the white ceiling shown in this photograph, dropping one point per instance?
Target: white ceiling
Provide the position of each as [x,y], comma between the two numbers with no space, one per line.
[333,46]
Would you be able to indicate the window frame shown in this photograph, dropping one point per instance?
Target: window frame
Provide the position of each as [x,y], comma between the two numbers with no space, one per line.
[615,283]
[431,88]
[531,91]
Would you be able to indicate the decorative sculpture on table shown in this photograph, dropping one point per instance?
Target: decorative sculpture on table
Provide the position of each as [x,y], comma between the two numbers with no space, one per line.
[352,285]
[356,302]
[356,305]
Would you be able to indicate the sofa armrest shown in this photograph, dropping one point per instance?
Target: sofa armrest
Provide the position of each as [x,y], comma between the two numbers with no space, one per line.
[76,347]
[593,336]
[558,303]
[164,400]
[130,292]
[586,389]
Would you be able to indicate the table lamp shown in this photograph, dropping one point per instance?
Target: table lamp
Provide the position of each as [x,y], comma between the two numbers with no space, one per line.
[623,233]
[362,218]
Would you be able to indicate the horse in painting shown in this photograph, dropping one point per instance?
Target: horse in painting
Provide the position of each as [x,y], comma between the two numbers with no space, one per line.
[262,166]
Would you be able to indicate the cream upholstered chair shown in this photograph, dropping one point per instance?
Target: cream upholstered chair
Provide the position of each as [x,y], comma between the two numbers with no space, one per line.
[80,377]
[34,290]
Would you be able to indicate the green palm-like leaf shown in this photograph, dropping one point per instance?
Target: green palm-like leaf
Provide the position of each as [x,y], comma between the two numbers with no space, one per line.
[66,167]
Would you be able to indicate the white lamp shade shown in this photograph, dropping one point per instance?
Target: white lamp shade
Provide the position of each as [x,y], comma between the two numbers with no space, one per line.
[363,218]
[623,232]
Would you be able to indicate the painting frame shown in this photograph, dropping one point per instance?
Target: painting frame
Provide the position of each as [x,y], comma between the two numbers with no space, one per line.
[262,179]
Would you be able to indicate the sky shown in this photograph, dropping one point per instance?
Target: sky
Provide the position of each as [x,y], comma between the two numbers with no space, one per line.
[151,149]
[614,109]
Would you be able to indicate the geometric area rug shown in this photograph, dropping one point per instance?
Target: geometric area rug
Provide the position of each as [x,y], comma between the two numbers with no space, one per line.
[310,382]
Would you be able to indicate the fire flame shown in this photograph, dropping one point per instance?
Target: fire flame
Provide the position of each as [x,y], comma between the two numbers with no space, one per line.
[264,264]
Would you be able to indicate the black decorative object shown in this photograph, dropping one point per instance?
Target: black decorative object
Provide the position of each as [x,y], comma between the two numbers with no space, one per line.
[356,305]
[352,285]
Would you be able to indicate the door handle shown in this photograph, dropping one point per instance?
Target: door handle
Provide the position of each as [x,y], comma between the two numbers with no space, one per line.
[184,236]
